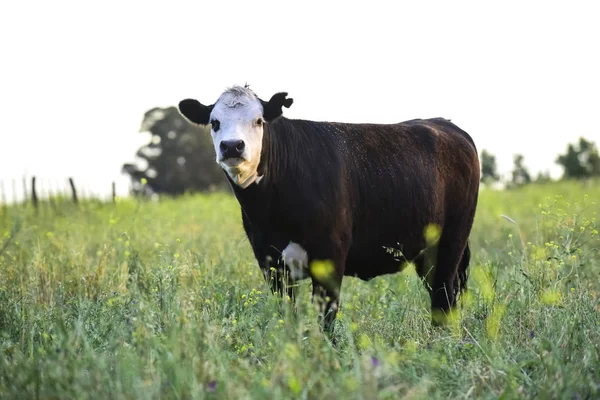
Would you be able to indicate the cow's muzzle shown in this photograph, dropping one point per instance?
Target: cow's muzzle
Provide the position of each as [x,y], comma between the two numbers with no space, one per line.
[232,148]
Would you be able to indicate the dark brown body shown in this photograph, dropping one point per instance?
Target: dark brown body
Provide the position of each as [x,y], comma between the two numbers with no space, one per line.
[344,192]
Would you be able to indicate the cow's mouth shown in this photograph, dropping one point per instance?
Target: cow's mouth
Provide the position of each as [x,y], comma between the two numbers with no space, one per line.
[232,162]
[233,165]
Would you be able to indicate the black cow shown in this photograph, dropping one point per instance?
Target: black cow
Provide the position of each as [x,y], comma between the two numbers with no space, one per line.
[345,193]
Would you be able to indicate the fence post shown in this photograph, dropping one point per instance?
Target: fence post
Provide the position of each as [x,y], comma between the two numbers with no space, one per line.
[34,196]
[73,190]
[114,192]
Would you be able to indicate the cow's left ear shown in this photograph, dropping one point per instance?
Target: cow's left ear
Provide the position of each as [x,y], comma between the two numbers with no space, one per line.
[195,111]
[272,108]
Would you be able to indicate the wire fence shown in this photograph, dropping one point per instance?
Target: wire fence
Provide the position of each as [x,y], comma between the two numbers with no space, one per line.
[40,193]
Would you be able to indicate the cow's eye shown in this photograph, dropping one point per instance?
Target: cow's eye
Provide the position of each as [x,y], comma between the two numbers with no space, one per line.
[215,124]
[259,122]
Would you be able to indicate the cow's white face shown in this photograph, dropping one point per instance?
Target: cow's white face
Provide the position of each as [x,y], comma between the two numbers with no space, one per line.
[237,120]
[237,134]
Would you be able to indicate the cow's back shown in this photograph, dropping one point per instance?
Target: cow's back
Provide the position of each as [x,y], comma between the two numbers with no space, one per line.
[399,179]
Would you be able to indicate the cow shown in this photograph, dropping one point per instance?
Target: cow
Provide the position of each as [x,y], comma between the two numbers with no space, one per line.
[344,194]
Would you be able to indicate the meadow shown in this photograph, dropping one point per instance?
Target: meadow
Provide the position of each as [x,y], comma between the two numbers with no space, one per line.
[148,300]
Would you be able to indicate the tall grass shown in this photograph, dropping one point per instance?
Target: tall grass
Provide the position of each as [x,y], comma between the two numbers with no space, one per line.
[164,300]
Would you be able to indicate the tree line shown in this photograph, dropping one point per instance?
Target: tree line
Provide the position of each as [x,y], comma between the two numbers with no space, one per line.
[580,161]
[179,157]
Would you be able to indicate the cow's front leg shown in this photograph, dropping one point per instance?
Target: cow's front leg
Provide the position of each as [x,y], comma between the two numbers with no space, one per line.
[279,281]
[276,277]
[268,251]
[282,270]
[327,298]
[327,272]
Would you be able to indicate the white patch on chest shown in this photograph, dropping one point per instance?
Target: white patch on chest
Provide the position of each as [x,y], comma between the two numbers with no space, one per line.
[296,259]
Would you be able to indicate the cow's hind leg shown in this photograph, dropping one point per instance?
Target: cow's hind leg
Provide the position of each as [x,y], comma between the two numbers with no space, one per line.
[448,277]
[460,283]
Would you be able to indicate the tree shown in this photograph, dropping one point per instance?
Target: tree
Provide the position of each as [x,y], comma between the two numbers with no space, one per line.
[580,161]
[520,175]
[179,157]
[489,172]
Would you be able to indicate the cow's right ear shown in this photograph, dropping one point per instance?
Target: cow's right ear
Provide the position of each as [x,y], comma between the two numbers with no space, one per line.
[195,111]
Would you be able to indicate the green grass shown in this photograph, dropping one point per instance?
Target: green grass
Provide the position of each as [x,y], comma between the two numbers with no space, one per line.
[165,300]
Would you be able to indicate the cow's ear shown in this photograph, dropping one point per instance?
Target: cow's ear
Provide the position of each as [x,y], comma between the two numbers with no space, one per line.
[195,111]
[272,108]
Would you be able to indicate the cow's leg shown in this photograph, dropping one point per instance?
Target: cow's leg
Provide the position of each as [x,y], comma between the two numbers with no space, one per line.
[443,279]
[327,281]
[267,251]
[327,297]
[278,278]
[425,266]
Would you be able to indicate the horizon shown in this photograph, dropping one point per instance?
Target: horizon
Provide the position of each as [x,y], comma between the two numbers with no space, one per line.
[519,78]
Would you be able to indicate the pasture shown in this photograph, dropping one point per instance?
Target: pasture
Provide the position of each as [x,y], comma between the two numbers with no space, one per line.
[147,300]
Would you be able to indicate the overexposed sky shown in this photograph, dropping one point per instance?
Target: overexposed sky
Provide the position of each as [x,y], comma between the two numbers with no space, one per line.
[76,77]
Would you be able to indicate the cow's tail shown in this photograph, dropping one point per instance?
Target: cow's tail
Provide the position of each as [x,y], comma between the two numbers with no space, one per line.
[460,284]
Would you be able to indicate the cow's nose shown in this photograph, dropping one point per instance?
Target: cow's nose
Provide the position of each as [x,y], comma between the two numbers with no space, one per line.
[232,148]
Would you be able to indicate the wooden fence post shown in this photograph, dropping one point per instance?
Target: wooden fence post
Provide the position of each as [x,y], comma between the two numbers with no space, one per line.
[114,192]
[73,190]
[34,197]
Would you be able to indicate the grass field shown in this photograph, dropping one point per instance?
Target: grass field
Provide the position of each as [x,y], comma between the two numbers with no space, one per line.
[165,300]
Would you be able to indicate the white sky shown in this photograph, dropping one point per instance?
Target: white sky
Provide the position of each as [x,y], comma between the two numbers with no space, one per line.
[76,78]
